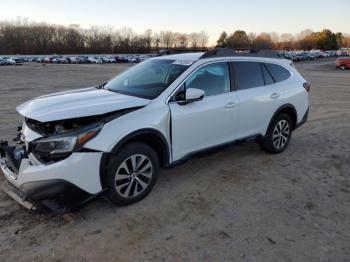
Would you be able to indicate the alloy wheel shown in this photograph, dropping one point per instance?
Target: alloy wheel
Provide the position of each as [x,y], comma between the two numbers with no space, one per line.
[281,134]
[133,175]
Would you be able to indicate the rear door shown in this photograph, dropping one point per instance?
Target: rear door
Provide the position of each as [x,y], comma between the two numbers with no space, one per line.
[258,97]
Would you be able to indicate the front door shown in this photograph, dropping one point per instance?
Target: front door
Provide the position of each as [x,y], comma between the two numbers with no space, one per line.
[210,121]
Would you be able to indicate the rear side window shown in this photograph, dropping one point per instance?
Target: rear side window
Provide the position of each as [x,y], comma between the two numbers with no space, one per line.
[248,75]
[278,72]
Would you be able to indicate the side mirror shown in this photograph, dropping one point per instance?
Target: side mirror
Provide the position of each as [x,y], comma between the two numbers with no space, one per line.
[192,95]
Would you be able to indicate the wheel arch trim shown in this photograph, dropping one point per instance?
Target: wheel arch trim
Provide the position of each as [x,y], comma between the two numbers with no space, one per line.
[165,150]
[143,131]
[279,110]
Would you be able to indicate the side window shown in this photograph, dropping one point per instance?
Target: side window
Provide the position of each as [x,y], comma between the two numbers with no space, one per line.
[278,72]
[213,79]
[248,75]
[267,77]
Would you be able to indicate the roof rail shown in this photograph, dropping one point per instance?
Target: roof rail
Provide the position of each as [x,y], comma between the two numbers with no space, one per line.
[222,52]
[164,52]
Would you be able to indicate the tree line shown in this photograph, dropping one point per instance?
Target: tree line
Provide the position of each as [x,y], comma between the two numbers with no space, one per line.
[305,40]
[24,37]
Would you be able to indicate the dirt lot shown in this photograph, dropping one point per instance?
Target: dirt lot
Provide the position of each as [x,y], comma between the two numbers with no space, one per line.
[239,204]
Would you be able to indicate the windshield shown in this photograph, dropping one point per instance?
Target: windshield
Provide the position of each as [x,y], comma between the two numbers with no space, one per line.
[147,79]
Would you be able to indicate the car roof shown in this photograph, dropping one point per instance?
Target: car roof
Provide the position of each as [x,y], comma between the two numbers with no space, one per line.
[193,57]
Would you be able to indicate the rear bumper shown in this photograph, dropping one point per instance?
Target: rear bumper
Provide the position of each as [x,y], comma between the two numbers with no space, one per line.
[303,120]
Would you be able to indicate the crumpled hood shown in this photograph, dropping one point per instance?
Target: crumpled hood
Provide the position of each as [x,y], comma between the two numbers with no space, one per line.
[77,103]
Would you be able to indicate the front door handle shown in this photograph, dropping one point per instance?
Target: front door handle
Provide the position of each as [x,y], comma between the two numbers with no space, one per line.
[275,95]
[230,105]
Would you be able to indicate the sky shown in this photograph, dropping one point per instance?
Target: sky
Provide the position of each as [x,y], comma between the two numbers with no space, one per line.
[187,16]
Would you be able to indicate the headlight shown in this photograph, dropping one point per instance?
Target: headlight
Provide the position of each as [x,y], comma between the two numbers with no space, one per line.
[62,144]
[55,145]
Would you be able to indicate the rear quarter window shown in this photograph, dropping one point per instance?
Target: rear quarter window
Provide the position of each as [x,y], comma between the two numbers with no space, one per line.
[279,73]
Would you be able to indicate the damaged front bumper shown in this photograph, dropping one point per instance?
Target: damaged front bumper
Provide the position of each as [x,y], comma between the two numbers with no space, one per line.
[59,187]
[49,196]
[18,196]
[9,164]
[10,159]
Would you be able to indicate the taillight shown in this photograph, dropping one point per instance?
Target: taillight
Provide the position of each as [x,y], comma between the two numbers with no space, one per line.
[307,86]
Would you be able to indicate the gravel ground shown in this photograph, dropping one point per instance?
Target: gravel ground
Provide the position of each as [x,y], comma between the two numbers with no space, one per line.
[239,204]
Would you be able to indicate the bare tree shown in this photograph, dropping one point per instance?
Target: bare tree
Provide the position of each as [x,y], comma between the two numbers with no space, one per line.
[263,41]
[203,39]
[251,38]
[167,39]
[148,37]
[287,41]
[275,38]
[346,40]
[194,39]
[303,34]
[183,40]
[157,41]
[125,40]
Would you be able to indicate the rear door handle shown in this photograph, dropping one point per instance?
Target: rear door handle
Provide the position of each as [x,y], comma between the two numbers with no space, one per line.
[275,95]
[230,105]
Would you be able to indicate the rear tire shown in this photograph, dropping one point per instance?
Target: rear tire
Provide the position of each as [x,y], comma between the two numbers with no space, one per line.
[278,135]
[342,67]
[132,174]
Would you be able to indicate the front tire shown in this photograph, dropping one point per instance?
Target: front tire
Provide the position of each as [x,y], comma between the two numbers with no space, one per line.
[342,67]
[278,136]
[132,174]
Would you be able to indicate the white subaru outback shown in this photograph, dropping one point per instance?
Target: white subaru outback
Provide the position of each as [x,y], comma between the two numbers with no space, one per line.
[112,139]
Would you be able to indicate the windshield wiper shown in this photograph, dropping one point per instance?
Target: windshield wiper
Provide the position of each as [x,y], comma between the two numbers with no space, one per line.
[101,86]
[128,94]
[117,91]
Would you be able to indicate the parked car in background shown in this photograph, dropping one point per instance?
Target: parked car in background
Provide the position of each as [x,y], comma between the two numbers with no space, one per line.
[4,61]
[76,59]
[106,59]
[309,56]
[121,59]
[324,54]
[63,60]
[56,60]
[17,61]
[290,57]
[71,59]
[302,57]
[343,63]
[94,60]
[10,61]
[47,60]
